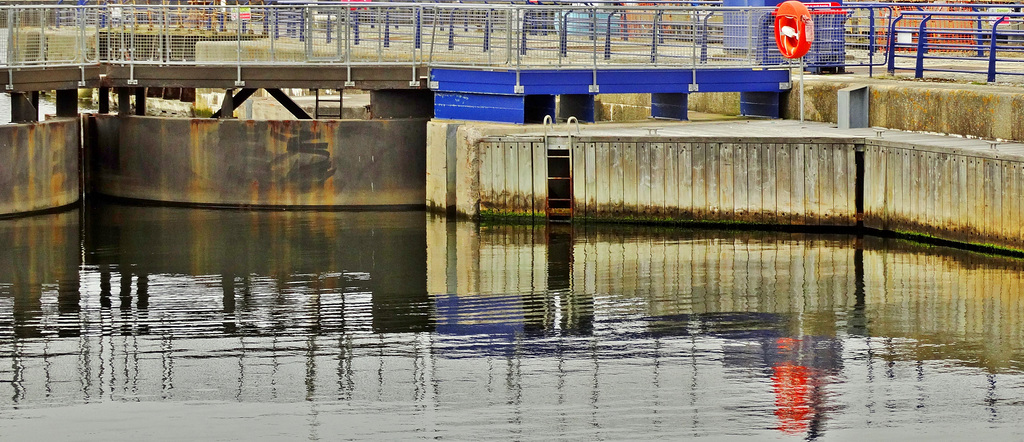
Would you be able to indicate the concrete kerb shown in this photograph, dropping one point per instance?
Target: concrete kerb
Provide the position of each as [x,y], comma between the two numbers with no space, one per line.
[970,110]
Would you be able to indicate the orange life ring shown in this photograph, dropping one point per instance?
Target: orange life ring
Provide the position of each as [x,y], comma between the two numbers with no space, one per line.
[794,29]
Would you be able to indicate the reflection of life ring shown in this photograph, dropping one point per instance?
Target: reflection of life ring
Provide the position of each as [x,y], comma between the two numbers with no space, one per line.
[794,30]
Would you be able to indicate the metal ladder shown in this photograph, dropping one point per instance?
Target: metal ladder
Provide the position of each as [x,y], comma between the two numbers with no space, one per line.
[327,112]
[559,205]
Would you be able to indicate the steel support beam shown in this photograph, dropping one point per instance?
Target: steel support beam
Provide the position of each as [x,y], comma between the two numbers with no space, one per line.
[67,102]
[580,106]
[669,106]
[24,107]
[232,101]
[140,101]
[104,105]
[124,100]
[287,102]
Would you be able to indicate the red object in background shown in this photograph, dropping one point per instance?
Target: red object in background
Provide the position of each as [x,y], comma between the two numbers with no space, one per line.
[794,29]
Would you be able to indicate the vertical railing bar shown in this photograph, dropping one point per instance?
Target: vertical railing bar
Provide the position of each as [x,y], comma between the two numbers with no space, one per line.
[992,51]
[922,47]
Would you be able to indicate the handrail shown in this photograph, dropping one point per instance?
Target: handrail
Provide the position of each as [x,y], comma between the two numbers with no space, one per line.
[478,34]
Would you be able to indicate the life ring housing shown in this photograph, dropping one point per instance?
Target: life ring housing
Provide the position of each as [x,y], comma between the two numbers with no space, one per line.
[794,29]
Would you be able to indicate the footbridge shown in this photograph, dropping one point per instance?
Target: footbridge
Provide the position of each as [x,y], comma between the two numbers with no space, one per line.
[480,61]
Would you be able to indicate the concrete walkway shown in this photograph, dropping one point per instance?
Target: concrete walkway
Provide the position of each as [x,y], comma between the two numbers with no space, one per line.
[704,126]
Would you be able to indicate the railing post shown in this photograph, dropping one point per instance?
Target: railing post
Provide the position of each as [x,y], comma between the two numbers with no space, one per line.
[704,39]
[451,30]
[328,27]
[922,47]
[871,42]
[992,51]
[487,32]
[387,28]
[892,45]
[608,37]
[563,38]
[654,39]
[523,30]
[977,33]
[355,27]
[418,28]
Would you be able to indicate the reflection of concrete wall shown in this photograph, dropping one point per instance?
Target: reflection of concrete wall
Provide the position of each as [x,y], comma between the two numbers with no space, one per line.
[956,305]
[286,163]
[325,253]
[40,166]
[40,255]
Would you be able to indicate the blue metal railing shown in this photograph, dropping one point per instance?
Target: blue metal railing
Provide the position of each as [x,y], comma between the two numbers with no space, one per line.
[989,43]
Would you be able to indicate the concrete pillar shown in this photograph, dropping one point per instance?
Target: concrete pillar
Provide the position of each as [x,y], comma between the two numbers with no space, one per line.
[580,106]
[67,103]
[852,108]
[759,104]
[227,106]
[104,100]
[402,103]
[669,106]
[140,101]
[124,100]
[22,108]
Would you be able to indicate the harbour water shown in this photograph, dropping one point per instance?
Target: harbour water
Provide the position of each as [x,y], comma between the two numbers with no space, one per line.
[124,322]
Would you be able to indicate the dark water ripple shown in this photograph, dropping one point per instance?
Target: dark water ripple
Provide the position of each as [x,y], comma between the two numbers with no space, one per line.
[121,322]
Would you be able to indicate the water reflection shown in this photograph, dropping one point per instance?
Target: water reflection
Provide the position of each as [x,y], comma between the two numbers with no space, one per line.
[440,329]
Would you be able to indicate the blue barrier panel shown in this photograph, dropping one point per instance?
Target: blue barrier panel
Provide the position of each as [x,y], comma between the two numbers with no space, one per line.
[492,95]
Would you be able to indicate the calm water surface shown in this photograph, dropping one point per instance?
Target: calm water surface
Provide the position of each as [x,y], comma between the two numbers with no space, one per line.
[121,322]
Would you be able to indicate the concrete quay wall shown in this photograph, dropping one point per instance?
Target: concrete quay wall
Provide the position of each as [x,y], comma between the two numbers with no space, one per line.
[959,195]
[40,166]
[902,185]
[983,111]
[319,163]
[772,181]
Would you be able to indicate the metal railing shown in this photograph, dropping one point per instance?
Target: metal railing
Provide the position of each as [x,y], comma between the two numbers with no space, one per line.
[989,43]
[434,34]
[599,35]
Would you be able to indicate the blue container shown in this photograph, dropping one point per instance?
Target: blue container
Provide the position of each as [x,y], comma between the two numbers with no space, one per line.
[828,52]
[740,36]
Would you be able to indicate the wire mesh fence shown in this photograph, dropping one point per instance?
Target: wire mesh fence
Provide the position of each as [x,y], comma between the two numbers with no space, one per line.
[515,36]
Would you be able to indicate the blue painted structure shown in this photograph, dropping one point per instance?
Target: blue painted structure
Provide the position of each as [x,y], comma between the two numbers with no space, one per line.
[467,94]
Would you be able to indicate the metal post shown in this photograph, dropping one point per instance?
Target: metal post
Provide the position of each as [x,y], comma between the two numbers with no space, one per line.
[67,102]
[654,40]
[608,38]
[140,101]
[387,28]
[801,89]
[892,45]
[227,106]
[104,105]
[124,101]
[238,45]
[992,51]
[418,30]
[871,42]
[922,47]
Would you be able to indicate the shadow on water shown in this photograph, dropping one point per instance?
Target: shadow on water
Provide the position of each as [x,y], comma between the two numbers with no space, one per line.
[121,302]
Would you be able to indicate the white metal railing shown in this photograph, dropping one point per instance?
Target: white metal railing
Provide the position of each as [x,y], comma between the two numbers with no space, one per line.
[353,34]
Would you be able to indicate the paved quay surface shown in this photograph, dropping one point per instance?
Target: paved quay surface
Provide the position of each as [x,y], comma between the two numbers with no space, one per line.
[778,129]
